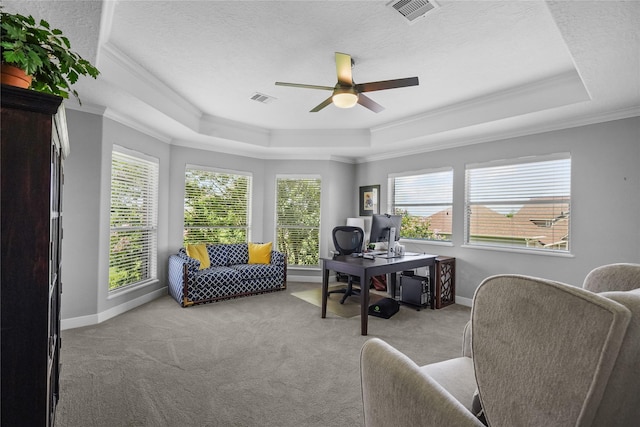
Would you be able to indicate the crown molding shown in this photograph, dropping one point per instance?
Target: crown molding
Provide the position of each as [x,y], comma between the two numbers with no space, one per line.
[555,91]
[461,141]
[124,72]
[133,124]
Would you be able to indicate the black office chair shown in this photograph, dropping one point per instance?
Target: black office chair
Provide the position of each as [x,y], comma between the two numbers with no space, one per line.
[347,240]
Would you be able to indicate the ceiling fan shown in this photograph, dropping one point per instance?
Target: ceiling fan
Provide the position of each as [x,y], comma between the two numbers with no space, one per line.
[346,93]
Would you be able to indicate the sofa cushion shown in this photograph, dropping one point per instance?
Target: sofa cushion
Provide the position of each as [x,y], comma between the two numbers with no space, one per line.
[238,253]
[199,252]
[218,255]
[217,276]
[257,271]
[260,253]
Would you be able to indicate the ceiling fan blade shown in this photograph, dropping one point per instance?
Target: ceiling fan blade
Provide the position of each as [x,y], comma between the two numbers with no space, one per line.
[343,69]
[386,84]
[322,105]
[365,101]
[305,86]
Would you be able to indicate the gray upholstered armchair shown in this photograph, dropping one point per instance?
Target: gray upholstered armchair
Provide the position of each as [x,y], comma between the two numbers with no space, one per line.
[544,353]
[613,277]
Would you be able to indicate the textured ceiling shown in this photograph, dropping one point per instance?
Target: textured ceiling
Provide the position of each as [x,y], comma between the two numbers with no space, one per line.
[184,71]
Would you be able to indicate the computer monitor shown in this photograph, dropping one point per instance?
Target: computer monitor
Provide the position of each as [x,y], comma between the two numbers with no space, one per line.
[380,225]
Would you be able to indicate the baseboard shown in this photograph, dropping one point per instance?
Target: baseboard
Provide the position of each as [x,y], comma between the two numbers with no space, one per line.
[464,301]
[304,279]
[94,319]
[78,322]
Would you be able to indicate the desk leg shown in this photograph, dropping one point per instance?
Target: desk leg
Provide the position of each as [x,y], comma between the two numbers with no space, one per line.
[432,285]
[392,286]
[325,289]
[364,302]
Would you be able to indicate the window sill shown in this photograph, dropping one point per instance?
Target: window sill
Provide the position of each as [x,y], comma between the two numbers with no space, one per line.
[520,251]
[427,242]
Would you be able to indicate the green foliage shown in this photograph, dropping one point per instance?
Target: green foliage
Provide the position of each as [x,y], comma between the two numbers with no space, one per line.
[132,221]
[416,227]
[126,251]
[43,53]
[298,217]
[215,207]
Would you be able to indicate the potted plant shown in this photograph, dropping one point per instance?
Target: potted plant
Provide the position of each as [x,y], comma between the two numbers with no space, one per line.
[43,53]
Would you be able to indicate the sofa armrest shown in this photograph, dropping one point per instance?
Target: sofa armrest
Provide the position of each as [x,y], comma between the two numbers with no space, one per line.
[396,392]
[278,258]
[193,265]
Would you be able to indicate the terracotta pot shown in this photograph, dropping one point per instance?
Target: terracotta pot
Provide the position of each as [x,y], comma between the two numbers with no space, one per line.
[14,76]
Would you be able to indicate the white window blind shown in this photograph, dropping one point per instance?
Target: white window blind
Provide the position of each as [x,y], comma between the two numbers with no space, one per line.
[298,219]
[425,202]
[133,220]
[216,206]
[520,203]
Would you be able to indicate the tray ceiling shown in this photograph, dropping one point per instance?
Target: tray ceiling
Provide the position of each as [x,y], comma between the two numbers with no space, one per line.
[186,71]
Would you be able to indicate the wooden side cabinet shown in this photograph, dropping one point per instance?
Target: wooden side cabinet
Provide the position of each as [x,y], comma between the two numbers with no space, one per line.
[445,286]
[31,158]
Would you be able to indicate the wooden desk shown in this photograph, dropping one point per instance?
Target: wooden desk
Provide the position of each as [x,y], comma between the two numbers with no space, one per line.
[367,268]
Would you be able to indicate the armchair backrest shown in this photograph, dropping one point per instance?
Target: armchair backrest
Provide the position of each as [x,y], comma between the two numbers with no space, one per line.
[348,239]
[613,277]
[620,404]
[543,351]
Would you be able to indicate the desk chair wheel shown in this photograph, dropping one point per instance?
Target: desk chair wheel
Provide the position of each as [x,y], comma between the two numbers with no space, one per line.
[348,291]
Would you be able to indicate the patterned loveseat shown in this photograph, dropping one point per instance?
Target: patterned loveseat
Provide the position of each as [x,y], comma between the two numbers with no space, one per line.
[229,276]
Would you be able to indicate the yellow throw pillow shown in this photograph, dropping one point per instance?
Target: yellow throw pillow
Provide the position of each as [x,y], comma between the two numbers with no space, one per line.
[260,253]
[199,252]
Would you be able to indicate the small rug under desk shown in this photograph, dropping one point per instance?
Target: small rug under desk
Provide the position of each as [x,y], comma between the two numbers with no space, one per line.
[351,306]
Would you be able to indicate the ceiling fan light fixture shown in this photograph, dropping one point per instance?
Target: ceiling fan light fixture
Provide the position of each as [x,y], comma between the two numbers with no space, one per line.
[344,98]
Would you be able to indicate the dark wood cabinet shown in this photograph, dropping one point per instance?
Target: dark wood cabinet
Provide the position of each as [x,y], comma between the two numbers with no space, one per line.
[32,173]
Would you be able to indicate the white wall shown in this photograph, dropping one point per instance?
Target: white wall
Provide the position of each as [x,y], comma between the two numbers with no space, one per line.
[604,208]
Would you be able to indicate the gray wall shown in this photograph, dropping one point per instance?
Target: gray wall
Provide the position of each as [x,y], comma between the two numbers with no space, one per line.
[605,203]
[85,246]
[336,205]
[604,206]
[81,215]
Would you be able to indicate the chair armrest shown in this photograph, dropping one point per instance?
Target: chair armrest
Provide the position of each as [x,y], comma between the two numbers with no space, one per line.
[396,392]
[466,340]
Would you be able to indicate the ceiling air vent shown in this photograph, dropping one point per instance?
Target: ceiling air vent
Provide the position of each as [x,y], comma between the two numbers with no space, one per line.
[413,10]
[261,97]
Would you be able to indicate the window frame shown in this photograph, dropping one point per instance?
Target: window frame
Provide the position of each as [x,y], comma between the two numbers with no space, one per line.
[249,195]
[150,248]
[392,205]
[314,177]
[532,245]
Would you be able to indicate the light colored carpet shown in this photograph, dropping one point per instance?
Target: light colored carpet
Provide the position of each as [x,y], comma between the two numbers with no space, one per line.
[265,360]
[350,308]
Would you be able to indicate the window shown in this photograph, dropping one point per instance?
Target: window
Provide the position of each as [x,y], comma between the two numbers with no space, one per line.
[134,219]
[298,219]
[424,200]
[216,206]
[521,203]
